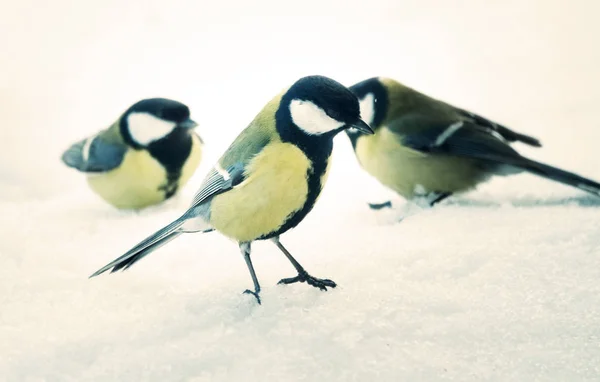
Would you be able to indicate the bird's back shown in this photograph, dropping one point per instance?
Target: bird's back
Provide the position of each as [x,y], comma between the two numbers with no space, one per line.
[254,137]
[404,102]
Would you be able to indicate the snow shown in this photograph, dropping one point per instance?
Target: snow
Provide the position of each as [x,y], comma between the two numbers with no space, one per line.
[500,284]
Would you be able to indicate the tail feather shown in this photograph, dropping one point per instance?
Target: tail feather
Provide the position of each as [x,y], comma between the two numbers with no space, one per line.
[126,263]
[561,176]
[144,248]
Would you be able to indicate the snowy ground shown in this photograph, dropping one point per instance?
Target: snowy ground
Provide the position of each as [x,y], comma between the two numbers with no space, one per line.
[468,292]
[501,284]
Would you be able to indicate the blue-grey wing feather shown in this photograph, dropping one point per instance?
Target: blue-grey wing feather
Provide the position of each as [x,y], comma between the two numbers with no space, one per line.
[94,155]
[215,183]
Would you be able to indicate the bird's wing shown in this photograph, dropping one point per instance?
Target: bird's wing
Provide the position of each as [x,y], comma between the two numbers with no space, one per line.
[218,181]
[95,154]
[506,133]
[458,138]
[230,169]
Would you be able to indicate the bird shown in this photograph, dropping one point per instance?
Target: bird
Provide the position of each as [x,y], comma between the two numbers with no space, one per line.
[426,150]
[269,178]
[143,158]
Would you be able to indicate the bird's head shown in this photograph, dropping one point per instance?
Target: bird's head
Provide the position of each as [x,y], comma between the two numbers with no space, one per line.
[154,119]
[320,107]
[373,100]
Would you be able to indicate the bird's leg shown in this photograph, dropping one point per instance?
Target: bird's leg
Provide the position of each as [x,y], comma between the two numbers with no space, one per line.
[425,200]
[379,206]
[422,201]
[437,197]
[245,248]
[429,199]
[303,276]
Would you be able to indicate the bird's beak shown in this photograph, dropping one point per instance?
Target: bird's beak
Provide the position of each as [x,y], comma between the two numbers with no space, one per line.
[187,124]
[361,126]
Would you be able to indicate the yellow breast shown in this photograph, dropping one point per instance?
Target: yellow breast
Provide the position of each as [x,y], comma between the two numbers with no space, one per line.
[275,188]
[137,183]
[405,170]
[191,165]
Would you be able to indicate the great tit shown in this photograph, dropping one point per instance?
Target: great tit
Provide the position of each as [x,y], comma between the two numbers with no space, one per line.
[144,158]
[426,150]
[270,177]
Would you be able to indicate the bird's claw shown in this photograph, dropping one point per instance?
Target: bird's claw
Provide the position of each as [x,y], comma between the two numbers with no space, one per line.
[322,284]
[379,206]
[253,293]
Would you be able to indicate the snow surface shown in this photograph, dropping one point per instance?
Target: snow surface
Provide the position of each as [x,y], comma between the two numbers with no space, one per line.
[501,284]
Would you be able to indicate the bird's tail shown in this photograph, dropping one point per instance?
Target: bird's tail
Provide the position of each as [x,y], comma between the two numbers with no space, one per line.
[144,248]
[561,176]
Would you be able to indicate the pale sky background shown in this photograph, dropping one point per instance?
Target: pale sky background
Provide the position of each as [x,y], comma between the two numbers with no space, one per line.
[69,68]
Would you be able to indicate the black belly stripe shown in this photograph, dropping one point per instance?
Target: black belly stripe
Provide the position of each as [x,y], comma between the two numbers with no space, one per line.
[172,185]
[317,149]
[172,152]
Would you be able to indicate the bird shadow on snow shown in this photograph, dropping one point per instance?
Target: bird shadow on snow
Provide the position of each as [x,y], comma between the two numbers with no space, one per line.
[529,202]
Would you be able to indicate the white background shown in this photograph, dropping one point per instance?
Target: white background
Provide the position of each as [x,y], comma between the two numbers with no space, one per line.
[500,285]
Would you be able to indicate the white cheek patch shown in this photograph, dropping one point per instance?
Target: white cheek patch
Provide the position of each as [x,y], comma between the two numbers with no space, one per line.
[311,118]
[146,128]
[367,108]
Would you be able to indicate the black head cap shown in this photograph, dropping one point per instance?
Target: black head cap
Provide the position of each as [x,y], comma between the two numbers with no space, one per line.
[162,108]
[336,100]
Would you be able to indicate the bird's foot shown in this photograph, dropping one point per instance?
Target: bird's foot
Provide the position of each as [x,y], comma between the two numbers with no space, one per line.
[379,206]
[254,293]
[310,280]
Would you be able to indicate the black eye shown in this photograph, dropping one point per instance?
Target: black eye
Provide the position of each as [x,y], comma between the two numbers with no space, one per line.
[333,114]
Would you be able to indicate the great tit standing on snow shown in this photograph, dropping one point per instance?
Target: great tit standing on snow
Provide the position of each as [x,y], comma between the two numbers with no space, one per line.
[426,150]
[144,158]
[270,177]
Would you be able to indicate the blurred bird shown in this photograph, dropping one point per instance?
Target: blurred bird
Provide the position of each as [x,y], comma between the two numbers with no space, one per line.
[426,150]
[144,158]
[270,177]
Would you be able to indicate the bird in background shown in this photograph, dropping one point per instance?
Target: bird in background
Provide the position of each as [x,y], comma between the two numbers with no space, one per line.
[427,150]
[270,177]
[143,158]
